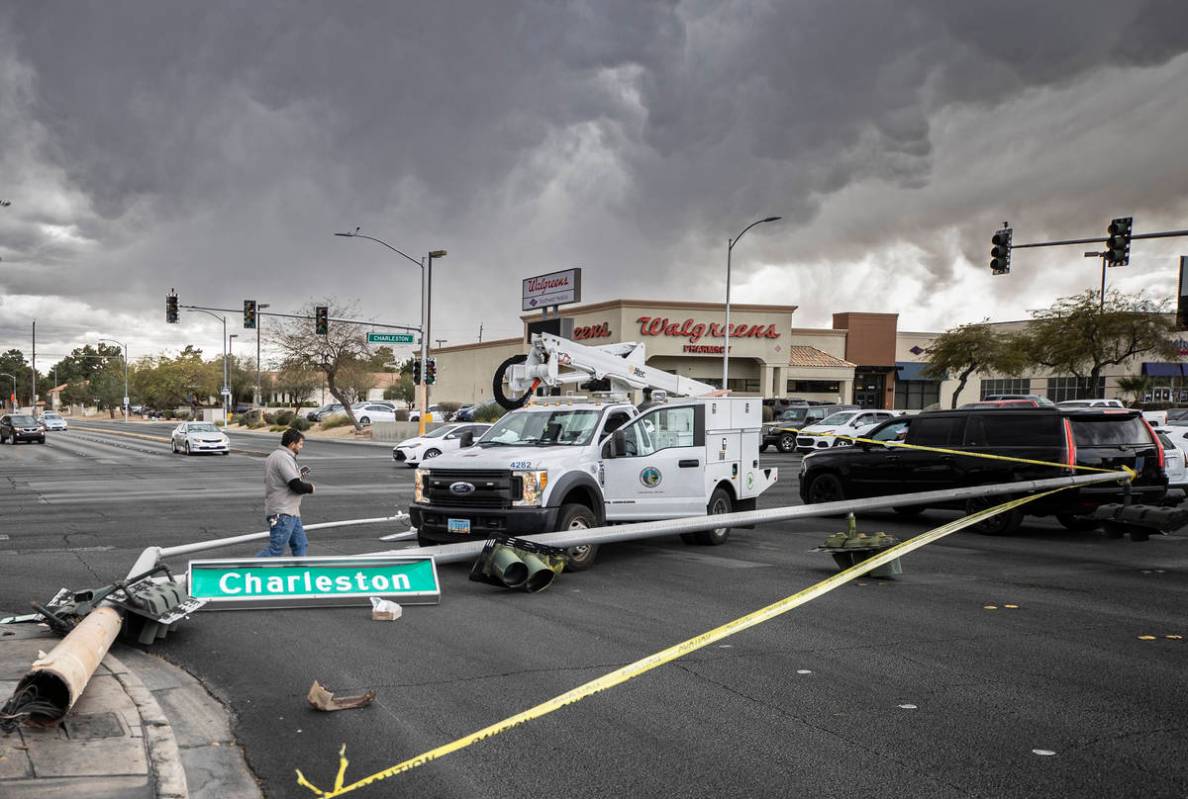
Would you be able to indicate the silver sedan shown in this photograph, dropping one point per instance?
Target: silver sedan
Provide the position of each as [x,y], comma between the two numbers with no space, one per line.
[194,437]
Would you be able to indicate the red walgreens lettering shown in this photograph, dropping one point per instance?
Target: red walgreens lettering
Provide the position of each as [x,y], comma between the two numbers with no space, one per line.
[592,331]
[544,284]
[694,331]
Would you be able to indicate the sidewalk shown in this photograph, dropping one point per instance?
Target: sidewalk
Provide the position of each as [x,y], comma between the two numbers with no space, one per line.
[141,728]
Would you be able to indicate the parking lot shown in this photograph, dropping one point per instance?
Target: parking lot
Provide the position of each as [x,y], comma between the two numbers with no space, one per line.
[1037,663]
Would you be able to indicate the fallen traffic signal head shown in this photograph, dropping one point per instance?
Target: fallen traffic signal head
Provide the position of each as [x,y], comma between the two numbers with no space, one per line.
[1000,252]
[1118,243]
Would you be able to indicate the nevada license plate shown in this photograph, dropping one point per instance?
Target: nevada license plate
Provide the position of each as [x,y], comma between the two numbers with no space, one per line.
[461,526]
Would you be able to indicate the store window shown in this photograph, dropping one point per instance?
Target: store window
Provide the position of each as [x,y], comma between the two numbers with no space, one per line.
[1010,385]
[915,395]
[814,387]
[1069,388]
[743,385]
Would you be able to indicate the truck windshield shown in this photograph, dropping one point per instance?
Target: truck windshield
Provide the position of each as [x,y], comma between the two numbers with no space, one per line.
[793,415]
[542,428]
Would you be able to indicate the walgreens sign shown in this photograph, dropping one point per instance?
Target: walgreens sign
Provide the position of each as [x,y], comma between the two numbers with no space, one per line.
[694,331]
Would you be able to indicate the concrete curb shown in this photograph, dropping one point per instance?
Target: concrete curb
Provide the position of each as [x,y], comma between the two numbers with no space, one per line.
[164,757]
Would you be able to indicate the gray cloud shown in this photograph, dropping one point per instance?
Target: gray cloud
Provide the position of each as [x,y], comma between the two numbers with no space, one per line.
[213,148]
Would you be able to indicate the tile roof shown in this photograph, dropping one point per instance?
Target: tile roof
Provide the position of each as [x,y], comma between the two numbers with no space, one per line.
[803,355]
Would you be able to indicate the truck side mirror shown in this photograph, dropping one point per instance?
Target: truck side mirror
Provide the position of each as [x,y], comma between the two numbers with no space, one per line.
[618,444]
[467,439]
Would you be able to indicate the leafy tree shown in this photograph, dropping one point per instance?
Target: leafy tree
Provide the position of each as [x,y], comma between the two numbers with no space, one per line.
[297,382]
[973,349]
[381,360]
[1074,336]
[13,363]
[343,349]
[402,391]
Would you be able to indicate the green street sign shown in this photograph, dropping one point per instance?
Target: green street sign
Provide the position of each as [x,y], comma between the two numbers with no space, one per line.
[389,338]
[306,582]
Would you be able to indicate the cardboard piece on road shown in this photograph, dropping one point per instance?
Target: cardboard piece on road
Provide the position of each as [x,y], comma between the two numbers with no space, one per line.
[322,698]
[384,610]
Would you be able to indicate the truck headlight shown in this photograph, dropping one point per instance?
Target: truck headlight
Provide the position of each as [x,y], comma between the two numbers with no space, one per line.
[420,481]
[533,485]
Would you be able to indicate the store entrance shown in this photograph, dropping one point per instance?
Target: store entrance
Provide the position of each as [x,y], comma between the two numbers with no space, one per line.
[868,390]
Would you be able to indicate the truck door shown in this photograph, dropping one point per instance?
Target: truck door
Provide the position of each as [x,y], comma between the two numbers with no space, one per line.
[661,473]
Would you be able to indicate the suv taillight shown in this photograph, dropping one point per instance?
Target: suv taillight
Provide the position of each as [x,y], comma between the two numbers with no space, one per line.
[1158,444]
[1070,445]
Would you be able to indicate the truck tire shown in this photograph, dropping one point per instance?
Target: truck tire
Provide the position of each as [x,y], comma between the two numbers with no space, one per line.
[787,442]
[825,488]
[1002,524]
[510,403]
[578,517]
[720,502]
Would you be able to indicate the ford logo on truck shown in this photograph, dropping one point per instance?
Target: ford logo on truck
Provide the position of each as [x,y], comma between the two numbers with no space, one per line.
[461,488]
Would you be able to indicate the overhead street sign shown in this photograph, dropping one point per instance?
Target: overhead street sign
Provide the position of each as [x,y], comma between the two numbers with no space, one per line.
[307,582]
[389,338]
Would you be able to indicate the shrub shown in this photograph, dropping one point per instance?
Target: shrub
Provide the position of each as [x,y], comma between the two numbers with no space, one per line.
[489,412]
[282,418]
[220,423]
[276,428]
[448,408]
[335,420]
[300,423]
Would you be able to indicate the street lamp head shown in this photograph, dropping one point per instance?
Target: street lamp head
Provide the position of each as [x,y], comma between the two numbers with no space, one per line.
[437,253]
[773,219]
[352,233]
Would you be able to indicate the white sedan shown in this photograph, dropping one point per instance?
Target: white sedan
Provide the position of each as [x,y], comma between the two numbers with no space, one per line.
[444,439]
[194,437]
[1175,454]
[52,420]
[368,412]
[851,424]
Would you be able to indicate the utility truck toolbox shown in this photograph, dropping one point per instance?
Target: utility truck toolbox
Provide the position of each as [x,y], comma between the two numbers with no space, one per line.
[568,463]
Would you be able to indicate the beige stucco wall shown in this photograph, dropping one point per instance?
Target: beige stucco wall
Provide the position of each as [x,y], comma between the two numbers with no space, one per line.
[464,373]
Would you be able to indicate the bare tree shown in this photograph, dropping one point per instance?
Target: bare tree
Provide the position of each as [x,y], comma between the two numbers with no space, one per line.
[335,354]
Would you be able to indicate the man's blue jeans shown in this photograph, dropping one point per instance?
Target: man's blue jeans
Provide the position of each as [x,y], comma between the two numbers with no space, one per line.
[284,530]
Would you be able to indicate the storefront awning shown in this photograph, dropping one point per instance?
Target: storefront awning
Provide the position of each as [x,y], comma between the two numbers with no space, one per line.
[911,370]
[1165,369]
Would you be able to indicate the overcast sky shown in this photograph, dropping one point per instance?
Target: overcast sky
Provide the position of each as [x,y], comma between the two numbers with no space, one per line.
[214,147]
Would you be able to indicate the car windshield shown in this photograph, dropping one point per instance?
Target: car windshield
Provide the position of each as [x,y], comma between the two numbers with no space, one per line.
[542,428]
[202,427]
[841,417]
[24,420]
[439,432]
[793,415]
[51,416]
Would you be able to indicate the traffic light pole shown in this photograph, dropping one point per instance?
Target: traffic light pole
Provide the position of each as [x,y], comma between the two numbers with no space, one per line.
[1166,234]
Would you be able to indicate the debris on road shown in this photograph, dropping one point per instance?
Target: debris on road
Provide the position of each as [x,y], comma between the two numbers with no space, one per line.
[851,547]
[384,609]
[322,698]
[518,563]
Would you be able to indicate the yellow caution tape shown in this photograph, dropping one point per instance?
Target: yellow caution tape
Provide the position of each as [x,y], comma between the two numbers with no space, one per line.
[644,665]
[1130,473]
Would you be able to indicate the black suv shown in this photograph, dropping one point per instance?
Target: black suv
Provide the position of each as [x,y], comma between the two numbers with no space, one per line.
[1107,438]
[20,427]
[782,432]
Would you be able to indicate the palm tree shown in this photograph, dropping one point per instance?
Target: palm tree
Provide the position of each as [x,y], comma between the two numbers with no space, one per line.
[1135,385]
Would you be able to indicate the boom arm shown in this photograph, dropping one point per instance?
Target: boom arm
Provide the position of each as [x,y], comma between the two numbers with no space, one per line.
[555,361]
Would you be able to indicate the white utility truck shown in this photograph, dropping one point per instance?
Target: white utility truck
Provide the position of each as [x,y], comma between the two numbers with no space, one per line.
[564,463]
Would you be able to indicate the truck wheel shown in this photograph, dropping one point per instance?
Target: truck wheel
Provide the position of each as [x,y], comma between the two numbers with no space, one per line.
[825,488]
[787,443]
[719,503]
[1070,521]
[509,403]
[578,517]
[1001,524]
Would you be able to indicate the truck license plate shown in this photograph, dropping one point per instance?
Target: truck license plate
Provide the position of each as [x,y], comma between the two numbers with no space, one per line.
[461,526]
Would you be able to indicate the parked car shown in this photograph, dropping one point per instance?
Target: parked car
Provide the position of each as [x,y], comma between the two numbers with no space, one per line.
[1177,415]
[1156,418]
[824,434]
[324,412]
[368,412]
[194,437]
[1042,402]
[783,431]
[1091,403]
[20,427]
[414,415]
[52,420]
[1109,438]
[447,438]
[463,414]
[1175,460]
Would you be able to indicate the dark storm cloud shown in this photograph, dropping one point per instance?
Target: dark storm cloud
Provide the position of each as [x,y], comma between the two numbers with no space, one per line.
[213,146]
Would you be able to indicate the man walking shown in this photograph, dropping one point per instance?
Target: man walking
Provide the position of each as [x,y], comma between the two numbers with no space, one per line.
[283,489]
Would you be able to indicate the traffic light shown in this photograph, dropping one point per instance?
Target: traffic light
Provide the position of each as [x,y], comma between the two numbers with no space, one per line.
[1118,244]
[249,314]
[416,371]
[1000,252]
[322,320]
[171,308]
[430,371]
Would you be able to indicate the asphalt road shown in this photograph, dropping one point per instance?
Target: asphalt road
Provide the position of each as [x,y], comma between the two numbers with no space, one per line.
[904,688]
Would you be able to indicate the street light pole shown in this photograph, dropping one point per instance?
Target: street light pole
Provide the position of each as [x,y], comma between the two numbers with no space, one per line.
[125,346]
[426,301]
[726,330]
[222,319]
[259,325]
[230,342]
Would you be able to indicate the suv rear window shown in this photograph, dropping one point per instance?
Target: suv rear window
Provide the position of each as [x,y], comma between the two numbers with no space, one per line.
[1105,431]
[1014,430]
